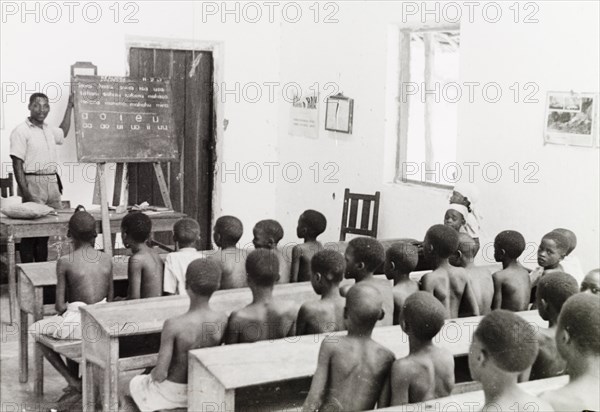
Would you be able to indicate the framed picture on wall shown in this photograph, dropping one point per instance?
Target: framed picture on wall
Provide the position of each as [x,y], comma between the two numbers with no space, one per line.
[338,114]
[571,119]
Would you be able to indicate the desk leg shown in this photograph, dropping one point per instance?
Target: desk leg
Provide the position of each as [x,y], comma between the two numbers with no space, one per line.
[89,401]
[12,279]
[24,348]
[38,356]
[111,378]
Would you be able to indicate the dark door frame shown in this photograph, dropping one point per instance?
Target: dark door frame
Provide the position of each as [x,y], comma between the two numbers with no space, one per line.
[216,48]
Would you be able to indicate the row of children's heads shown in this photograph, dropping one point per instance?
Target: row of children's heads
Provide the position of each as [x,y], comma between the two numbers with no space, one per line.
[505,343]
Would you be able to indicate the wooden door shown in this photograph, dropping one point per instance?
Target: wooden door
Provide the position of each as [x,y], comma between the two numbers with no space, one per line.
[190,180]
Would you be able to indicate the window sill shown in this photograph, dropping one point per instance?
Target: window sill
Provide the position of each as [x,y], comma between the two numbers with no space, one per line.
[436,187]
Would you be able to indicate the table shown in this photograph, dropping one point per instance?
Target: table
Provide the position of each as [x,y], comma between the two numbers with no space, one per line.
[56,225]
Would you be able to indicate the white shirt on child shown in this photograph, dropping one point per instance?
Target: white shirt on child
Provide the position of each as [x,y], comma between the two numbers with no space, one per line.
[176,264]
[571,265]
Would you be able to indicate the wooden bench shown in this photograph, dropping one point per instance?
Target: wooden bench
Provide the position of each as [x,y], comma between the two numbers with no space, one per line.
[474,401]
[216,373]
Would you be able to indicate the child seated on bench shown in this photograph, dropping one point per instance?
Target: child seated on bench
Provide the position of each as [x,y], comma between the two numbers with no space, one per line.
[363,256]
[83,277]
[265,318]
[310,225]
[186,232]
[504,345]
[552,250]
[570,263]
[401,259]
[449,284]
[455,217]
[591,282]
[511,284]
[577,341]
[227,233]
[267,234]
[145,268]
[200,327]
[552,292]
[428,371]
[479,276]
[326,314]
[353,371]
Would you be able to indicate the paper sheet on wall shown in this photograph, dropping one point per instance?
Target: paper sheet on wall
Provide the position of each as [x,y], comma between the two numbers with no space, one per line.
[304,117]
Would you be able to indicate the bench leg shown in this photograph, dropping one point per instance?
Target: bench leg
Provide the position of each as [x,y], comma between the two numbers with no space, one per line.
[24,349]
[12,279]
[38,366]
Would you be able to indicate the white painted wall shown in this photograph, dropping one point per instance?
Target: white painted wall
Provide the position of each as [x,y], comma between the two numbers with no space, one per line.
[558,53]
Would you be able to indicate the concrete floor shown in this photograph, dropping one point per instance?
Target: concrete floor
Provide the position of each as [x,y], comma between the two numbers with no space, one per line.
[16,396]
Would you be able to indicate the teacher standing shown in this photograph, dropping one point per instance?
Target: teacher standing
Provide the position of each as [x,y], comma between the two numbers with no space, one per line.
[33,153]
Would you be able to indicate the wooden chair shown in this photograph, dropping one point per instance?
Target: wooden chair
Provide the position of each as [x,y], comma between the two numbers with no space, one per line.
[6,186]
[350,214]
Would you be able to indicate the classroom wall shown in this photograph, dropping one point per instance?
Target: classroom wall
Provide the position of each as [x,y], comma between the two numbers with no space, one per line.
[560,52]
[38,56]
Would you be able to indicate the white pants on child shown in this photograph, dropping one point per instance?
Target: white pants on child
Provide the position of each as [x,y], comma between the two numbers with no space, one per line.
[66,326]
[152,396]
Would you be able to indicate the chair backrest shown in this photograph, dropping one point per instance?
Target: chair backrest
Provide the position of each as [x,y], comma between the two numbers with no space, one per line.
[6,186]
[369,215]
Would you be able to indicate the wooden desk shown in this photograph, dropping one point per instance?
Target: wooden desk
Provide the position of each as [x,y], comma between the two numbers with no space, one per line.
[11,229]
[215,373]
[474,401]
[105,326]
[34,278]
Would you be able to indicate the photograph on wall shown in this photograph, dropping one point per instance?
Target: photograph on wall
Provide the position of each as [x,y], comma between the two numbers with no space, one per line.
[571,119]
[304,116]
[339,113]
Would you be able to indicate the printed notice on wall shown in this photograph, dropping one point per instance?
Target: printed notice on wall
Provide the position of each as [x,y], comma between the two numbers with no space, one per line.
[304,116]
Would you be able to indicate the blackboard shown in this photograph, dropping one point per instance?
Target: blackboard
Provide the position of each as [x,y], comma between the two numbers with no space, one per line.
[121,119]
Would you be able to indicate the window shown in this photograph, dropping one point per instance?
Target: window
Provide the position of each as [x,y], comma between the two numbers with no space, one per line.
[427,93]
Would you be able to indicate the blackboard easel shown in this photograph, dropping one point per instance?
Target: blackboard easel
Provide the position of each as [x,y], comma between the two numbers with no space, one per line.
[155,155]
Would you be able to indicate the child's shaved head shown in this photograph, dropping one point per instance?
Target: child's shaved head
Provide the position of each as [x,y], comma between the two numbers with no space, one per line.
[444,240]
[555,288]
[591,282]
[368,251]
[329,262]
[186,231]
[570,235]
[508,340]
[230,229]
[314,222]
[581,320]
[267,233]
[364,305]
[404,256]
[82,227]
[467,246]
[262,266]
[561,241]
[511,241]
[203,277]
[137,225]
[423,315]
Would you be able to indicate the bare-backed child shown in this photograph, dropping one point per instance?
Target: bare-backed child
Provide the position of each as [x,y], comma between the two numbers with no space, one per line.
[310,225]
[577,341]
[227,233]
[166,386]
[428,370]
[401,259]
[83,277]
[552,292]
[265,318]
[503,347]
[479,276]
[363,256]
[591,282]
[552,250]
[145,269]
[267,234]
[511,284]
[449,284]
[186,232]
[353,372]
[326,314]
